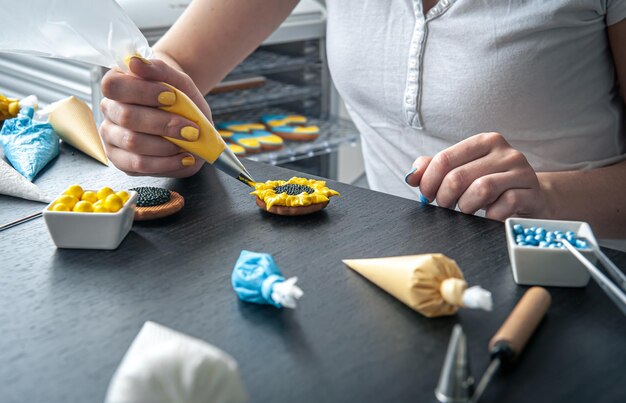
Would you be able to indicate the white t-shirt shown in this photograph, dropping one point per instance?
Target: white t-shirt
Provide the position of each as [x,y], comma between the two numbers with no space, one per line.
[538,71]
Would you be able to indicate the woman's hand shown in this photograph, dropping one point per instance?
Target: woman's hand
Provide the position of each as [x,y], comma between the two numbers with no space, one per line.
[481,172]
[133,127]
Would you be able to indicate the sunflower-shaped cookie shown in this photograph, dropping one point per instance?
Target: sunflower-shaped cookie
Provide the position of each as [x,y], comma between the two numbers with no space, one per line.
[297,196]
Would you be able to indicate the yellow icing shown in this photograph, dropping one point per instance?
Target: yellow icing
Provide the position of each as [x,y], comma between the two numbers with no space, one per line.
[210,144]
[226,134]
[287,120]
[307,130]
[249,142]
[244,127]
[271,139]
[265,191]
[237,149]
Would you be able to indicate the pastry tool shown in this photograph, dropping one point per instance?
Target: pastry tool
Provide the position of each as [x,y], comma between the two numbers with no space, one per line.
[20,221]
[613,290]
[210,146]
[456,382]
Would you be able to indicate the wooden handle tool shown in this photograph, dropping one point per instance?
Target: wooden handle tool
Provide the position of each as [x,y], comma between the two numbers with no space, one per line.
[510,339]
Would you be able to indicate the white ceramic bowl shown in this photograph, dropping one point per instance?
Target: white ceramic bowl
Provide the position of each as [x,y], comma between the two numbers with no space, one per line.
[90,230]
[553,267]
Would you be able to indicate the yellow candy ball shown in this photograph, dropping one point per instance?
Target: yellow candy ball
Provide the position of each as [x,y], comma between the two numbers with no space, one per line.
[113,203]
[89,196]
[68,200]
[59,207]
[104,192]
[100,209]
[74,190]
[123,195]
[83,207]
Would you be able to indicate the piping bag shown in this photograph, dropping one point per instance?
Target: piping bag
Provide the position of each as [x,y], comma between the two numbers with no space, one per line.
[431,284]
[256,278]
[99,32]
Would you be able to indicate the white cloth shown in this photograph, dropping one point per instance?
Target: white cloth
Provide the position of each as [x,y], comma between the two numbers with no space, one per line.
[165,366]
[539,72]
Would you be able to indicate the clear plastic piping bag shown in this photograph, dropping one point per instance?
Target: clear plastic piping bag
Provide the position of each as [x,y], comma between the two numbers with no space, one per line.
[91,31]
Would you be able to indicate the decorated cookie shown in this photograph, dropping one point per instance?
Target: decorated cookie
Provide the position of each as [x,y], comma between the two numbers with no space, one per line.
[241,127]
[291,127]
[267,140]
[297,196]
[238,150]
[154,202]
[252,136]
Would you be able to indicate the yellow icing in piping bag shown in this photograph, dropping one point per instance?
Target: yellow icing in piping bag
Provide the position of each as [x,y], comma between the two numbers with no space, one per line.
[209,146]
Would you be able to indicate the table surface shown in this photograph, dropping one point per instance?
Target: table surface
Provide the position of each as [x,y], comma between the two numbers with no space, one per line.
[68,316]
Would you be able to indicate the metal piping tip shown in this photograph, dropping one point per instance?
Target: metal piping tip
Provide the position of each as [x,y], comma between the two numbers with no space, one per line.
[228,163]
[456,383]
[246,178]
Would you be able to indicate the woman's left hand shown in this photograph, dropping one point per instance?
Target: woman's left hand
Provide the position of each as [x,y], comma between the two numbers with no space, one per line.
[481,172]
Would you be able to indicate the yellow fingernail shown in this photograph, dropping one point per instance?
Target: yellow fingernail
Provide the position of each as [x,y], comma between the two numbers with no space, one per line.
[167,98]
[190,133]
[188,161]
[142,60]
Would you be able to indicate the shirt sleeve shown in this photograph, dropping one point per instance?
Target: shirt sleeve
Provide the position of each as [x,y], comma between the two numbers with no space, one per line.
[615,11]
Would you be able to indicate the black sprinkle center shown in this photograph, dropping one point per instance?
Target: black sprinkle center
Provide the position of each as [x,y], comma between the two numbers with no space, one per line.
[148,196]
[293,190]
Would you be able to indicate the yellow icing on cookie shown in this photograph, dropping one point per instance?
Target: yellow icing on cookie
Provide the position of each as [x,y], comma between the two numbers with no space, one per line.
[266,192]
[226,134]
[307,130]
[246,127]
[237,149]
[270,139]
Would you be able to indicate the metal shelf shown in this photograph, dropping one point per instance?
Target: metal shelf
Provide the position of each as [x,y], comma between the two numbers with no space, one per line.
[263,62]
[272,93]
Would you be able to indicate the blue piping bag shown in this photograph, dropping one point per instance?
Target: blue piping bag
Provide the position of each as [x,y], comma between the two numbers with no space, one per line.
[28,145]
[257,279]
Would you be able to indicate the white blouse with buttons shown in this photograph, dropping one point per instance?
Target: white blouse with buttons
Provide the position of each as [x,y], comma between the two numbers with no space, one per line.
[539,72]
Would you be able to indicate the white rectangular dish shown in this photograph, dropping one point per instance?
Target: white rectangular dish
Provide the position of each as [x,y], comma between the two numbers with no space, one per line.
[552,267]
[76,230]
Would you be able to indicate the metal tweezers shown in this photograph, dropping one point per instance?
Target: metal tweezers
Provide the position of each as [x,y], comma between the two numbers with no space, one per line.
[21,220]
[615,291]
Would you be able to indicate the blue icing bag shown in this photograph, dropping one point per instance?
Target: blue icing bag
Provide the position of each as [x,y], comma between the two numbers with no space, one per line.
[28,145]
[257,279]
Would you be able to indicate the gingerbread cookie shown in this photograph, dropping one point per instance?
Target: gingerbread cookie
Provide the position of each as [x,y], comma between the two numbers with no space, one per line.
[297,196]
[153,203]
[291,127]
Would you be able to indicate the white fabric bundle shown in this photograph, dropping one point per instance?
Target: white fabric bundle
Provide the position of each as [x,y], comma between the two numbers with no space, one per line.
[165,366]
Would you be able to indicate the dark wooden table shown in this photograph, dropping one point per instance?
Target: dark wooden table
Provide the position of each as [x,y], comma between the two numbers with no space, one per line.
[68,316]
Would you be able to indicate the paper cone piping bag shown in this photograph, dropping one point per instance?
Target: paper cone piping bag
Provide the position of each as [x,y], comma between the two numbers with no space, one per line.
[431,284]
[73,121]
[12,183]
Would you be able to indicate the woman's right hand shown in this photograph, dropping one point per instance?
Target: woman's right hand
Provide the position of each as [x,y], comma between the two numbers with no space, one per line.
[134,127]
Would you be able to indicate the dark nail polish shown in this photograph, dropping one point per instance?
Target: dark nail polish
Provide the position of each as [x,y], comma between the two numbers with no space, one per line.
[411,172]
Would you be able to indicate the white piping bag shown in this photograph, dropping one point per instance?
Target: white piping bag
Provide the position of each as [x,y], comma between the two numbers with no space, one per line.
[12,183]
[91,31]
